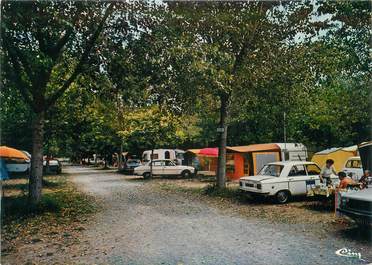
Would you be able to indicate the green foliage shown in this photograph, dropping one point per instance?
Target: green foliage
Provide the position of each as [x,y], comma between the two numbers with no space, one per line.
[157,76]
[153,127]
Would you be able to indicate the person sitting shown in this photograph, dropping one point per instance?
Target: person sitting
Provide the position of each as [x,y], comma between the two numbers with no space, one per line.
[364,179]
[326,172]
[345,181]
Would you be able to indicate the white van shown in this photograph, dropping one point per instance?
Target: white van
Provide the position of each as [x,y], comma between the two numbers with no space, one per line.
[353,168]
[176,155]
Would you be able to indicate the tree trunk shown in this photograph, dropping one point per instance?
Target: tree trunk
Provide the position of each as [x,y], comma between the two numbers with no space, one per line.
[221,167]
[36,176]
[151,157]
[120,157]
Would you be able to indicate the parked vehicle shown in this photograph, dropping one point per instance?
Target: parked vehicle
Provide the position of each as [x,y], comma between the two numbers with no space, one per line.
[175,155]
[357,205]
[17,165]
[54,166]
[164,167]
[283,180]
[130,165]
[16,161]
[353,168]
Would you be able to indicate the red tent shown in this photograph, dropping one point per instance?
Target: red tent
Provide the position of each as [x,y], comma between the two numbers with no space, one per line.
[213,152]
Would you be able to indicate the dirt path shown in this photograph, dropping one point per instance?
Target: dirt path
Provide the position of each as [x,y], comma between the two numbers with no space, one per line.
[140,225]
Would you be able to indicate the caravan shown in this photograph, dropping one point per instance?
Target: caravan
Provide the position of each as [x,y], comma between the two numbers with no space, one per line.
[175,155]
[249,160]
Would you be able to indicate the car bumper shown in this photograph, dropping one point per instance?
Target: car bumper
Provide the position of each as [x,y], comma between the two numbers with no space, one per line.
[254,191]
[358,216]
[128,171]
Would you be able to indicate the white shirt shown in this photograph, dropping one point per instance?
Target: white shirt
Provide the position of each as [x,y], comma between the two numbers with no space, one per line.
[327,172]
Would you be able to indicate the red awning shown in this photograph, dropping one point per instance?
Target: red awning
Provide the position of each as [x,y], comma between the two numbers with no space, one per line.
[209,152]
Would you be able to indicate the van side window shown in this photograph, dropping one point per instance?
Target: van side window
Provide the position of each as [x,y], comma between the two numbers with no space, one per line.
[356,164]
[167,155]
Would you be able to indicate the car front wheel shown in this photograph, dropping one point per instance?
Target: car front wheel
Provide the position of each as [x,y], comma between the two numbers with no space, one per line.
[282,196]
[186,174]
[146,175]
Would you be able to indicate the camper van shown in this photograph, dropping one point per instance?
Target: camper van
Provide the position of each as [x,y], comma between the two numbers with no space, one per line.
[292,151]
[176,155]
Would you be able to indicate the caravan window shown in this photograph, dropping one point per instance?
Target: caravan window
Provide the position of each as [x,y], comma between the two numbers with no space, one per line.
[167,155]
[179,155]
[354,164]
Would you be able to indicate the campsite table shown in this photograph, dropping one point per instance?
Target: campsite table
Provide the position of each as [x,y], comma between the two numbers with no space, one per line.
[331,193]
[321,191]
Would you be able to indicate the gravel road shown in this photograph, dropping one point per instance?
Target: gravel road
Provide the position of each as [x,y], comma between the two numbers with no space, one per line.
[140,225]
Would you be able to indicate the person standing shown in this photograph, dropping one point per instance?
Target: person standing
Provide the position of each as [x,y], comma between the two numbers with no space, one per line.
[327,171]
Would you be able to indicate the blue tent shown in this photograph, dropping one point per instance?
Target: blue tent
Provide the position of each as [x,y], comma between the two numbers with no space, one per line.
[3,170]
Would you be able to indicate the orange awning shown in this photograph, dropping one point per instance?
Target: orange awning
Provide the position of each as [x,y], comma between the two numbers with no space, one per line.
[254,148]
[8,152]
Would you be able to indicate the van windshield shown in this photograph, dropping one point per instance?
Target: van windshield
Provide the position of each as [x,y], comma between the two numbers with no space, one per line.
[271,170]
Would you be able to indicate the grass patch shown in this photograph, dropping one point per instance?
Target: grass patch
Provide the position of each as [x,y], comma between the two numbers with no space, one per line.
[228,193]
[169,187]
[61,209]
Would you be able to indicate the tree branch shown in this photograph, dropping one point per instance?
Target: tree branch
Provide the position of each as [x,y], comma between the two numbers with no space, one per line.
[79,67]
[16,76]
[18,53]
[243,51]
[55,51]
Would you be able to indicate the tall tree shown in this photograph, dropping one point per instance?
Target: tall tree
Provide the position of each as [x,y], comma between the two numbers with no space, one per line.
[228,39]
[46,47]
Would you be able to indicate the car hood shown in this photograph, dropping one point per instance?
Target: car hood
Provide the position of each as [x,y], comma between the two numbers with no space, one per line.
[141,167]
[364,195]
[257,178]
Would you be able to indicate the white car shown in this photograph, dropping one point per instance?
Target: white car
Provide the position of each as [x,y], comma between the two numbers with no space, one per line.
[353,168]
[357,205]
[162,168]
[283,180]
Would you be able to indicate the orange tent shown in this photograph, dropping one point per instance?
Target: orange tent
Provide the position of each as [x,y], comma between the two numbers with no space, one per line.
[249,159]
[11,153]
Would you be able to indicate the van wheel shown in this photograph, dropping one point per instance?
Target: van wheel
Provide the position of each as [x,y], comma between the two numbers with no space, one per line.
[186,174]
[282,196]
[146,175]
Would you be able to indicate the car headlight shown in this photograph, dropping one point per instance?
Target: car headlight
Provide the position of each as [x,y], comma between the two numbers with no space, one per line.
[344,201]
[259,186]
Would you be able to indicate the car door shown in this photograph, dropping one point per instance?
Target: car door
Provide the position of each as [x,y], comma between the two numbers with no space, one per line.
[313,171]
[157,167]
[297,178]
[170,168]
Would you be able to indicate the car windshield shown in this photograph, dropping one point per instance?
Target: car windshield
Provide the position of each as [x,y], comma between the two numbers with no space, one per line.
[271,170]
